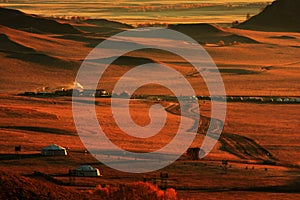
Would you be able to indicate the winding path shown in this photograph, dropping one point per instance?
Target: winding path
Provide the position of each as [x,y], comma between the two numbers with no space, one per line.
[240,146]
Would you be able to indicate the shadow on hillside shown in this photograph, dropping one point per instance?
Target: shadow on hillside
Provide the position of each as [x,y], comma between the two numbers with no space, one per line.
[40,129]
[7,156]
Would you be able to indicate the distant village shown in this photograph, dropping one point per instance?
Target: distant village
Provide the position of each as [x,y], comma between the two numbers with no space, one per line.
[102,93]
[69,92]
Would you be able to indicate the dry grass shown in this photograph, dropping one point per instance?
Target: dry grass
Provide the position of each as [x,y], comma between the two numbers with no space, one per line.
[198,176]
[270,66]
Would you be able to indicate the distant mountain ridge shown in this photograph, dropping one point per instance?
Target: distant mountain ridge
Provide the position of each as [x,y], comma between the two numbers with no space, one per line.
[108,23]
[281,15]
[32,23]
[201,28]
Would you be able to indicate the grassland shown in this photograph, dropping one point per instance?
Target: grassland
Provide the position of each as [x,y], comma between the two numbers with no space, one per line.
[260,141]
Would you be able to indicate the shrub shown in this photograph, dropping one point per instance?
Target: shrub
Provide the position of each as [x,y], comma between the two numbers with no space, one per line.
[134,191]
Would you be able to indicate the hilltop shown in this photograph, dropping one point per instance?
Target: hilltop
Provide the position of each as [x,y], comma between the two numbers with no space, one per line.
[281,15]
[32,23]
[48,56]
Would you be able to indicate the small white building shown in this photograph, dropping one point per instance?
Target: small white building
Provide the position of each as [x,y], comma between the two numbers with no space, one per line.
[279,100]
[124,95]
[85,170]
[54,150]
[286,100]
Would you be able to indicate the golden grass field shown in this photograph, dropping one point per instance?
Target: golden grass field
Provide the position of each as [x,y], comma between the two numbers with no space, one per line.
[252,63]
[50,121]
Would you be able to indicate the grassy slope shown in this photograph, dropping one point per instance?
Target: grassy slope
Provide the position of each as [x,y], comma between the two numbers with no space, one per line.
[56,114]
[275,127]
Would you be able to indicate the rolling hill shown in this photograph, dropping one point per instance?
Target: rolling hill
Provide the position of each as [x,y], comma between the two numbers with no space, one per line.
[208,33]
[14,186]
[32,23]
[281,15]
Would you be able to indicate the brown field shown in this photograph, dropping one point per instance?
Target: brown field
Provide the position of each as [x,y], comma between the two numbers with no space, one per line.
[42,121]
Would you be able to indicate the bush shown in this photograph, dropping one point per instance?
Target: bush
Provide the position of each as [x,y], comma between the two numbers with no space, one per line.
[134,191]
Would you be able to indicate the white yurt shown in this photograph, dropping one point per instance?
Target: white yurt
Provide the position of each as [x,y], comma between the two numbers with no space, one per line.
[85,170]
[54,150]
[279,100]
[286,100]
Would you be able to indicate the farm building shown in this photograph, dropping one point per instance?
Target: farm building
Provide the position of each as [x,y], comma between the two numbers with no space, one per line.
[193,153]
[286,100]
[68,92]
[125,95]
[88,93]
[54,150]
[279,100]
[85,170]
[101,93]
[95,93]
